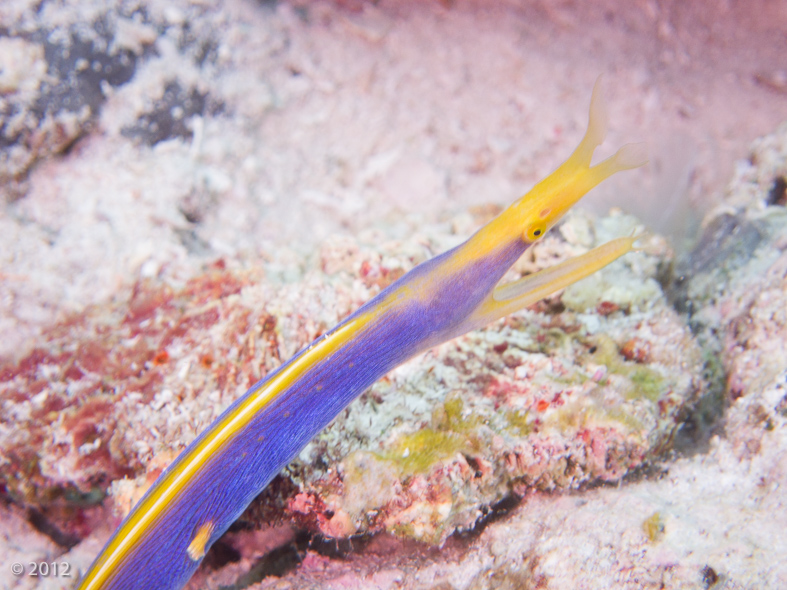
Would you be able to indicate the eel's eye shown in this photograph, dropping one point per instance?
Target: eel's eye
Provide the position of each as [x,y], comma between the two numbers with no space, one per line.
[534,232]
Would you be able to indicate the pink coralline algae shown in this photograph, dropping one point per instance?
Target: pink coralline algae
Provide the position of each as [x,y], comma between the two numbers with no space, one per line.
[70,419]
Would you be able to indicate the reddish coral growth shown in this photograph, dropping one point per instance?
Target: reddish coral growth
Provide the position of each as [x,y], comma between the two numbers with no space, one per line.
[146,300]
[67,398]
[307,510]
[374,274]
[267,323]
[28,366]
[500,348]
[504,391]
[501,390]
[607,308]
[82,422]
[161,358]
[636,350]
[214,285]
[90,357]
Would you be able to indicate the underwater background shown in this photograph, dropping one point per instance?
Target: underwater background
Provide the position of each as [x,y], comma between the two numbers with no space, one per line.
[192,191]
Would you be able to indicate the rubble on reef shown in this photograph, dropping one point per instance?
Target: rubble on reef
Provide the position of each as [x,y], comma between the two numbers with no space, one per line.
[737,288]
[551,398]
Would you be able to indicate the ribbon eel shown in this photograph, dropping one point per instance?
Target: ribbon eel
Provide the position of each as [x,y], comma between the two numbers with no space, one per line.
[165,537]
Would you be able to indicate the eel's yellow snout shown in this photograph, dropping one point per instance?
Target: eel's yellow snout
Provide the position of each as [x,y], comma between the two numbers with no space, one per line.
[543,206]
[550,199]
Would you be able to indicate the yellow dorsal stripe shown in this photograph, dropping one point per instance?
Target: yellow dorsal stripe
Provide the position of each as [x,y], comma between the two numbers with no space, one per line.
[145,514]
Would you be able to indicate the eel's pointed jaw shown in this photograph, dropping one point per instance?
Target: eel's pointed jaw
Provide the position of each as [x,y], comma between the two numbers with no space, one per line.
[511,297]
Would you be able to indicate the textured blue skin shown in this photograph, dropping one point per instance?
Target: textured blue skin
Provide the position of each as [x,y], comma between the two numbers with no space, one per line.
[227,484]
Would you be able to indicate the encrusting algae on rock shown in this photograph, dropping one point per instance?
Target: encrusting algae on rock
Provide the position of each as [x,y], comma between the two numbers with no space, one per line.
[548,399]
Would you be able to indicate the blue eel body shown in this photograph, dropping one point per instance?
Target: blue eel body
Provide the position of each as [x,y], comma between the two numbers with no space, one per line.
[163,540]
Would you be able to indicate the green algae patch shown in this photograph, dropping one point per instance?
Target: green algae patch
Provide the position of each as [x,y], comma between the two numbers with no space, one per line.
[628,420]
[404,531]
[585,413]
[617,415]
[645,382]
[518,421]
[448,415]
[648,383]
[604,351]
[653,527]
[568,418]
[453,409]
[553,339]
[575,378]
[448,434]
[417,452]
